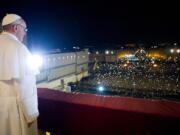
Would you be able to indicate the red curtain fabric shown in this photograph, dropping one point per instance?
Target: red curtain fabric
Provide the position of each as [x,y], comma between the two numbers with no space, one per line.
[86,114]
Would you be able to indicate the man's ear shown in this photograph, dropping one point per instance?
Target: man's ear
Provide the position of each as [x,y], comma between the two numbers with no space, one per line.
[14,27]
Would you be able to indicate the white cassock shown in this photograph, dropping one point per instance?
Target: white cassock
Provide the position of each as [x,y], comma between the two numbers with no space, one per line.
[18,92]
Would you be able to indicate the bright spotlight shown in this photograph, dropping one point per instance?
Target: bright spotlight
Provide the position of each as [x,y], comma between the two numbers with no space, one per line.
[101,88]
[35,61]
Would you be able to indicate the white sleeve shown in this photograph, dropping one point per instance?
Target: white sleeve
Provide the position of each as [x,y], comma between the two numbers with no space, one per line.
[27,90]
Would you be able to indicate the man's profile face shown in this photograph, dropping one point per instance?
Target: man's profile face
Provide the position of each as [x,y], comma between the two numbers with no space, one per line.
[21,29]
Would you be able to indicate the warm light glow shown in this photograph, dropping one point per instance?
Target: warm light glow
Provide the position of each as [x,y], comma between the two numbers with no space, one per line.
[156,54]
[178,50]
[155,65]
[125,65]
[124,54]
[129,55]
[172,50]
[48,133]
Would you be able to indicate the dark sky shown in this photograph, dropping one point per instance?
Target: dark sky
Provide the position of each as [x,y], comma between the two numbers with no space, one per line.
[62,24]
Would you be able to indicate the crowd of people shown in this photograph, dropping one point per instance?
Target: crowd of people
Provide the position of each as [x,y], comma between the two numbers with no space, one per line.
[146,79]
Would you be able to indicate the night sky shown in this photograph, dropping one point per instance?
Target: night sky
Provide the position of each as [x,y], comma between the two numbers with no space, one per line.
[101,24]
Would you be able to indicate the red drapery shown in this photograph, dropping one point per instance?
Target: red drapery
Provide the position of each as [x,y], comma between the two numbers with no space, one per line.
[86,114]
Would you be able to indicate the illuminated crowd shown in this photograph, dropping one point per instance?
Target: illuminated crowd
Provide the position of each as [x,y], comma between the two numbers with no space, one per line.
[147,79]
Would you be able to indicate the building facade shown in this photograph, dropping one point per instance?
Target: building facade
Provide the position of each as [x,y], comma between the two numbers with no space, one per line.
[61,68]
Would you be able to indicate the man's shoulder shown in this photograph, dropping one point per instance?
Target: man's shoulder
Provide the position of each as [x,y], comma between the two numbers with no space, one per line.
[9,42]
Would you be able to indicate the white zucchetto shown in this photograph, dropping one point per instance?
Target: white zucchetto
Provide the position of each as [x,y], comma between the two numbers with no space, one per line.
[10,18]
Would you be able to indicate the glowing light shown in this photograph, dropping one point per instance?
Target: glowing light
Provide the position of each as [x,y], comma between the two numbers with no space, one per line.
[48,133]
[35,61]
[129,55]
[97,52]
[178,50]
[107,52]
[112,52]
[125,65]
[172,50]
[175,43]
[155,65]
[101,88]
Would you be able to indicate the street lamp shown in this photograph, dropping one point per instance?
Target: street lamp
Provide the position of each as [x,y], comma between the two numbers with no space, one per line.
[107,52]
[178,50]
[172,50]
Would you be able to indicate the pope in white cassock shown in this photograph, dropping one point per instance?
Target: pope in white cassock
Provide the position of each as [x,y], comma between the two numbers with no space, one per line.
[18,92]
